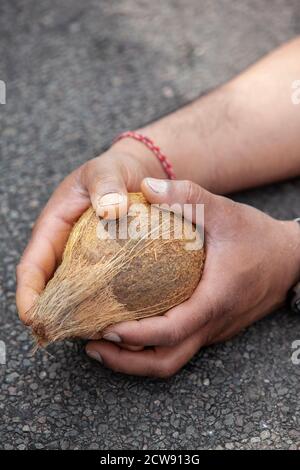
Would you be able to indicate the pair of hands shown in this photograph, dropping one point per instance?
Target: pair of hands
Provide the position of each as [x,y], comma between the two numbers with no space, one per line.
[251,262]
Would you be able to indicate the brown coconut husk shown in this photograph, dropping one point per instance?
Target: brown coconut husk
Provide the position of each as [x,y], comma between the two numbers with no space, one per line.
[102,282]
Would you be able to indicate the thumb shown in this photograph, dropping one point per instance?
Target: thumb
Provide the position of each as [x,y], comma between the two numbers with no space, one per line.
[107,188]
[184,196]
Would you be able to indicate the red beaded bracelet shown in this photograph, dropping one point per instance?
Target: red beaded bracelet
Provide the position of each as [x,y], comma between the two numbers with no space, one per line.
[166,164]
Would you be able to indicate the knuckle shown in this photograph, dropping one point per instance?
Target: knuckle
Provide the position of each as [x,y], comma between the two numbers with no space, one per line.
[192,192]
[167,368]
[210,313]
[224,303]
[102,175]
[91,165]
[174,337]
[92,170]
[113,366]
[213,307]
[106,182]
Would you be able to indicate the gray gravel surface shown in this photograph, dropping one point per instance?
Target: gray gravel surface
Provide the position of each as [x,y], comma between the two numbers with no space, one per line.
[78,73]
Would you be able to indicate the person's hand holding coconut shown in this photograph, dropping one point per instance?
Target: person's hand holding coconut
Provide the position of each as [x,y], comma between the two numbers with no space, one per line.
[251,262]
[103,181]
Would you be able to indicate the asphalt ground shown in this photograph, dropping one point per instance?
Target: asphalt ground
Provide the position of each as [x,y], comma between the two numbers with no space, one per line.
[78,73]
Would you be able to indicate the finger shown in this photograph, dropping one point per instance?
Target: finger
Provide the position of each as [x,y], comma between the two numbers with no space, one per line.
[129,347]
[31,281]
[184,196]
[48,239]
[157,362]
[98,336]
[107,188]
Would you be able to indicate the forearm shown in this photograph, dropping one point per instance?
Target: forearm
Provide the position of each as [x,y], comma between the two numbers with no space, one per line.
[244,134]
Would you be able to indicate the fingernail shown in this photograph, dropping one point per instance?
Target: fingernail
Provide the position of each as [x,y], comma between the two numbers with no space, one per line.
[94,355]
[112,337]
[111,199]
[156,185]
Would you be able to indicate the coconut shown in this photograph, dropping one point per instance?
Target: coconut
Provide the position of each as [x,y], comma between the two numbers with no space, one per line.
[115,271]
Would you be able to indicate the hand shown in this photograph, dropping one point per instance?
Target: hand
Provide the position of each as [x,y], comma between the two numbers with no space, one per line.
[104,182]
[251,262]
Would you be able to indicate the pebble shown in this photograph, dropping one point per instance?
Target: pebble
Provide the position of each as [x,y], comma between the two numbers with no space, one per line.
[265,435]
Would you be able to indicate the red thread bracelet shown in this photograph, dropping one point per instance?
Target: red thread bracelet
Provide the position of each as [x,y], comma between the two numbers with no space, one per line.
[166,164]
